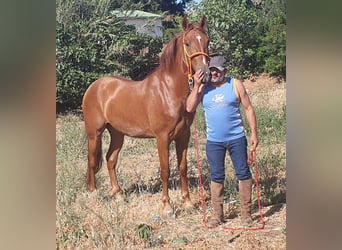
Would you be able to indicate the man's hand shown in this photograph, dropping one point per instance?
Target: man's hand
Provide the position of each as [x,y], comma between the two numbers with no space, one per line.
[198,76]
[196,94]
[254,142]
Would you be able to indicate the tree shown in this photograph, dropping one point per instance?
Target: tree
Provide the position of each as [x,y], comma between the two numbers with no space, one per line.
[272,30]
[91,43]
[232,32]
[173,7]
[250,34]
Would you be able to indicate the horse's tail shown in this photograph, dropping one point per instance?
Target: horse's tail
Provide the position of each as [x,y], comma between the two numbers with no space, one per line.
[99,158]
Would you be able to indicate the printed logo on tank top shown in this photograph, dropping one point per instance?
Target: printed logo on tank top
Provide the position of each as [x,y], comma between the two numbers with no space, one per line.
[218,101]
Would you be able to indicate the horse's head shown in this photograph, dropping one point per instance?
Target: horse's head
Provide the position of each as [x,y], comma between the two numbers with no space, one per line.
[195,44]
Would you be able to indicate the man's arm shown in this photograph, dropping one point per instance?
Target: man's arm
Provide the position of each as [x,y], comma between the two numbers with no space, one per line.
[196,94]
[250,115]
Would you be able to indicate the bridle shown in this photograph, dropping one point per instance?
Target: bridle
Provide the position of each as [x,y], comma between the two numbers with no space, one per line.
[188,59]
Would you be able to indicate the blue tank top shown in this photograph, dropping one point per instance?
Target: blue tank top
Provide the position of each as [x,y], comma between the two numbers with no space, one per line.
[222,112]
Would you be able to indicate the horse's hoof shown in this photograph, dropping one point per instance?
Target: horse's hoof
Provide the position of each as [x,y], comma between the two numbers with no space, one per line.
[93,197]
[118,196]
[167,211]
[188,205]
[93,193]
[168,214]
[91,188]
[189,208]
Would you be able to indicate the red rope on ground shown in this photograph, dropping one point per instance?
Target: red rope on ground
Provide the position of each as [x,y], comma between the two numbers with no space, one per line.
[199,172]
[251,162]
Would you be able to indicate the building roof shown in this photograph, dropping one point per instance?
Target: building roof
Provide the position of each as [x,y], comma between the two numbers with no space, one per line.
[126,14]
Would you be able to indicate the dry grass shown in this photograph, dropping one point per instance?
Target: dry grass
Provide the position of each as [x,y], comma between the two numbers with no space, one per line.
[97,221]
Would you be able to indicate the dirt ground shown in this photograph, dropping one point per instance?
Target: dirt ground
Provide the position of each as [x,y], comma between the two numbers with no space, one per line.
[266,91]
[187,230]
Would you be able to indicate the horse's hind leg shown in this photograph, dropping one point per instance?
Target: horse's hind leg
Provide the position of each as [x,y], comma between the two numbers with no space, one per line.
[94,157]
[181,149]
[116,143]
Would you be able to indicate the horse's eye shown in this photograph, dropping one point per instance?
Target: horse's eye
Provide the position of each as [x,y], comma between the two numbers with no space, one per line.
[187,44]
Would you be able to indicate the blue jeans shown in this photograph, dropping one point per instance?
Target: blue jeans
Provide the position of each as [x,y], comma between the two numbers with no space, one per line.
[216,153]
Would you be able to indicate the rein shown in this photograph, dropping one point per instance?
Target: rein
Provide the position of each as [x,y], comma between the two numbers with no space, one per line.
[188,59]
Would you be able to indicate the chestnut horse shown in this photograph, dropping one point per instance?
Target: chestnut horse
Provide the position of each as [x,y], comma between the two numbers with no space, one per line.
[151,108]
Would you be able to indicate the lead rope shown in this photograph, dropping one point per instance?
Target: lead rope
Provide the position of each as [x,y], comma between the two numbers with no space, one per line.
[251,161]
[199,172]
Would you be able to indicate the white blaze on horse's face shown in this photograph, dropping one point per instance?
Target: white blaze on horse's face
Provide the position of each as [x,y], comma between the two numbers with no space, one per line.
[199,38]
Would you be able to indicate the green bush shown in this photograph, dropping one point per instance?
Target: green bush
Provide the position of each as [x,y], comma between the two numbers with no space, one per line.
[250,34]
[88,49]
[271,54]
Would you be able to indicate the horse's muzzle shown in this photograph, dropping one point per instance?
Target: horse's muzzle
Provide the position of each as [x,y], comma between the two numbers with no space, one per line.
[207,77]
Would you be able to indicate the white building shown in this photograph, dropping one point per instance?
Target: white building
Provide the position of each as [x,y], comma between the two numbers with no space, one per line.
[144,22]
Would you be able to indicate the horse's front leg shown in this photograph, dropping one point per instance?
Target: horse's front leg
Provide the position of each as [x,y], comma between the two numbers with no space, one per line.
[163,144]
[181,149]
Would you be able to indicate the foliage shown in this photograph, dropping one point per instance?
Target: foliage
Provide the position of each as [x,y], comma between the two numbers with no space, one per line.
[68,11]
[232,28]
[250,34]
[174,7]
[144,231]
[97,45]
[272,29]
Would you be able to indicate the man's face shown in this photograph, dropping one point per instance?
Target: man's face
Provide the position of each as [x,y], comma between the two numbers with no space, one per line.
[217,76]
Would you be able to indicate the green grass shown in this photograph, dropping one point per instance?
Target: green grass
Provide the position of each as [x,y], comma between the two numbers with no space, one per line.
[271,125]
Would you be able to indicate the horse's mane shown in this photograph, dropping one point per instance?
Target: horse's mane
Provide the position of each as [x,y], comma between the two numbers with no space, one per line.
[169,52]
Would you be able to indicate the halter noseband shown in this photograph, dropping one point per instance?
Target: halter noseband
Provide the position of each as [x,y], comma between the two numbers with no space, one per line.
[188,62]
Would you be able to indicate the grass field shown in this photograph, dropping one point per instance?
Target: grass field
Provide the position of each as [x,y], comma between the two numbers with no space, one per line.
[97,221]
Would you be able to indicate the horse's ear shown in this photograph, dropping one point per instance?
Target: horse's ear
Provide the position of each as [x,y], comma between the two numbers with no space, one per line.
[204,22]
[185,22]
